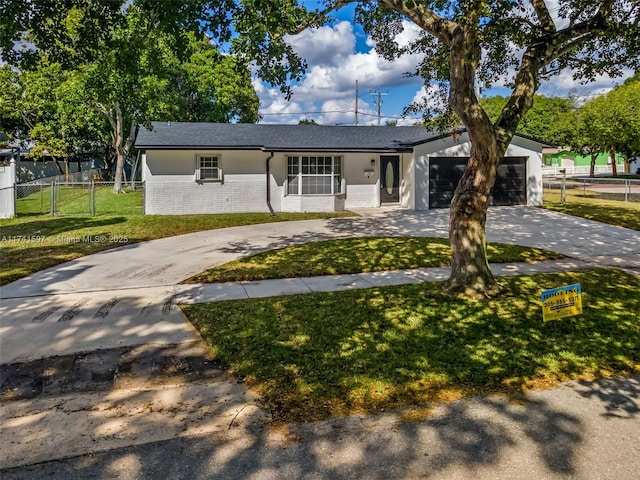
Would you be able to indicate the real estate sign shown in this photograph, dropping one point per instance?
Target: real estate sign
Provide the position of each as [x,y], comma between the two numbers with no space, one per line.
[561,302]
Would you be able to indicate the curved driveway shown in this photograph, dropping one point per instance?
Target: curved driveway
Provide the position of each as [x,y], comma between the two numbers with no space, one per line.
[125,296]
[168,261]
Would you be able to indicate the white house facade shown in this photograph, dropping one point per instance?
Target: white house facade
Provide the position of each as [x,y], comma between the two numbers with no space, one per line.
[191,168]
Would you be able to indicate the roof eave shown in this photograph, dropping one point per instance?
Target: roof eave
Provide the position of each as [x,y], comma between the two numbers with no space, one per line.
[275,149]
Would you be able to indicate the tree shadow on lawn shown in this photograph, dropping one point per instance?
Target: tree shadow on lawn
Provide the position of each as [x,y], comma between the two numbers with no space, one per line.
[43,244]
[58,225]
[375,361]
[325,355]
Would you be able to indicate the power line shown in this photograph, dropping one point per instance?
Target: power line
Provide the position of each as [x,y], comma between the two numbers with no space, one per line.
[395,117]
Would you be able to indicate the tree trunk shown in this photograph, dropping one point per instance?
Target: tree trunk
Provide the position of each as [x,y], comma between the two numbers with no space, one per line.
[55,160]
[627,164]
[66,169]
[614,167]
[470,272]
[592,165]
[117,141]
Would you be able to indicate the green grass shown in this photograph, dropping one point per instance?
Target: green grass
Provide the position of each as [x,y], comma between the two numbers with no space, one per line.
[33,243]
[595,206]
[76,200]
[355,255]
[327,354]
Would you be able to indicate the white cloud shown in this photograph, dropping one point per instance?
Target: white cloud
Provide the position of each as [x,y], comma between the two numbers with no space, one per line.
[334,67]
[327,91]
[325,45]
[563,84]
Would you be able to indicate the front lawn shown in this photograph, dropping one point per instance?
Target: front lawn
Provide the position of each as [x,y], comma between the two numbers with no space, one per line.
[595,206]
[355,255]
[328,354]
[30,244]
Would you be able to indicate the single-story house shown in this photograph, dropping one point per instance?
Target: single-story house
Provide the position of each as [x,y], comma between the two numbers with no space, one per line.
[220,168]
[564,157]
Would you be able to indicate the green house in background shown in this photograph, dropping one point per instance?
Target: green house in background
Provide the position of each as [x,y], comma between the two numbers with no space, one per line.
[555,157]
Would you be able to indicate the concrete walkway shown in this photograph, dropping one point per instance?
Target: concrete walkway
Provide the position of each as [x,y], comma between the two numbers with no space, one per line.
[201,293]
[123,298]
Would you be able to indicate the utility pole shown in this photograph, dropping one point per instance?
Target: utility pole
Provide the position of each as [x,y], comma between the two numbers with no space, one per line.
[378,101]
[356,103]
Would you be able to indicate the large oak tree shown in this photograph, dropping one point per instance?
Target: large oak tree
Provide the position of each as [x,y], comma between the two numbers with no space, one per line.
[524,41]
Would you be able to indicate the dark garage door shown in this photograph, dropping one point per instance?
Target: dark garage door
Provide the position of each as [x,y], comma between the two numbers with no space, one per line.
[445,173]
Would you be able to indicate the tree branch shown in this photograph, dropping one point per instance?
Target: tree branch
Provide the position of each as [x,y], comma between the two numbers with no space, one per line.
[527,22]
[542,12]
[551,46]
[320,16]
[26,119]
[568,39]
[131,138]
[425,18]
[473,10]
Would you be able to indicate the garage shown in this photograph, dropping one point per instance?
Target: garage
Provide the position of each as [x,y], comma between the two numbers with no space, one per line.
[510,187]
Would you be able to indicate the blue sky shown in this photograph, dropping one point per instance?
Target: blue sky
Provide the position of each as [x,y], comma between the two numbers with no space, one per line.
[341,53]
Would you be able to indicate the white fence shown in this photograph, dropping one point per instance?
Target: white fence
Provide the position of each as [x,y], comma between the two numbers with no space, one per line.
[7,189]
[579,171]
[622,189]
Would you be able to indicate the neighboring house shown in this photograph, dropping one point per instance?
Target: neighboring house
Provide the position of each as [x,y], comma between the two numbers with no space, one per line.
[563,157]
[219,168]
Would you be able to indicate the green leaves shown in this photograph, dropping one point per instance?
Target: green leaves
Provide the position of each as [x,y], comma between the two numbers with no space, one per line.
[613,120]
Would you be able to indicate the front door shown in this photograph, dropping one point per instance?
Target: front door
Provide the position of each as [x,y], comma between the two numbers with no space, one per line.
[390,179]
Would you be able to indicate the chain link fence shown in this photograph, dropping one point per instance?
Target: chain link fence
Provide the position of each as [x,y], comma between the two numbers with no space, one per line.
[78,198]
[619,189]
[76,177]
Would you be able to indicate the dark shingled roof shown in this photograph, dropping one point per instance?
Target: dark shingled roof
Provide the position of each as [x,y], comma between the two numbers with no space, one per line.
[174,135]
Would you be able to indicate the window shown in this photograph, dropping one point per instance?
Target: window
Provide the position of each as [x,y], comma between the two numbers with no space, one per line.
[208,168]
[314,175]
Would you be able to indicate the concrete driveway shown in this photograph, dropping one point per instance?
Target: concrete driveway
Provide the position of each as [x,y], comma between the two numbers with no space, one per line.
[168,261]
[125,296]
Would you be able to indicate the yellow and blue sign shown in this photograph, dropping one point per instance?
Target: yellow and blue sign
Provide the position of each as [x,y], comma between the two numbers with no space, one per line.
[561,302]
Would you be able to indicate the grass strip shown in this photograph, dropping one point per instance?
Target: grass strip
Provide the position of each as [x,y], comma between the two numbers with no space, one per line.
[328,354]
[602,207]
[31,244]
[355,255]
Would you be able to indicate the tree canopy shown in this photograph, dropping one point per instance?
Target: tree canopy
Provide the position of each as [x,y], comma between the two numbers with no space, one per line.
[611,122]
[132,62]
[550,119]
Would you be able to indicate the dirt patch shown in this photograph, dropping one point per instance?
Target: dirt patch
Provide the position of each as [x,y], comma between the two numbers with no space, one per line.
[108,369]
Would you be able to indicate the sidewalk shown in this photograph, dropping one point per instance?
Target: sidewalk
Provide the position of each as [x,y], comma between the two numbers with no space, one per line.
[213,292]
[578,431]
